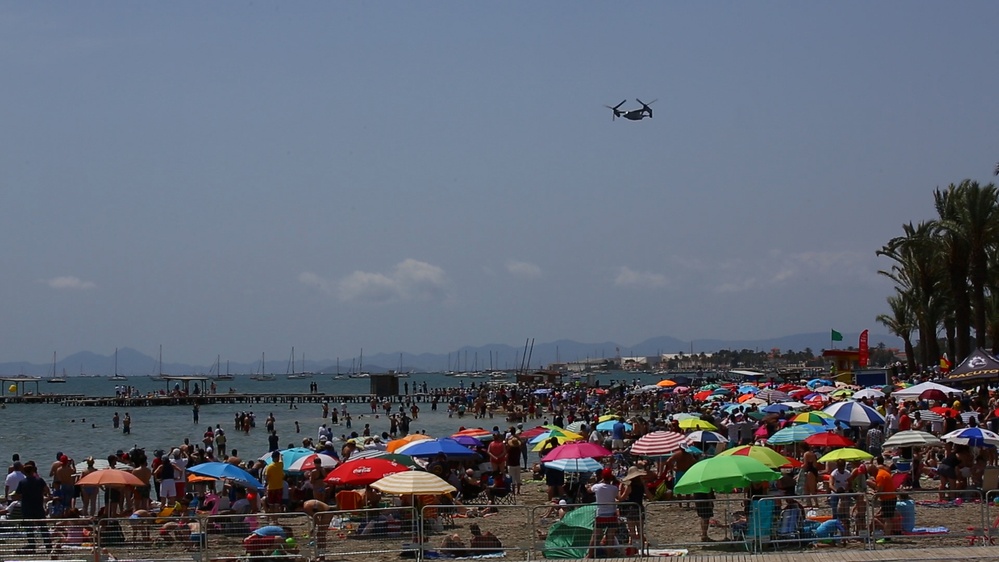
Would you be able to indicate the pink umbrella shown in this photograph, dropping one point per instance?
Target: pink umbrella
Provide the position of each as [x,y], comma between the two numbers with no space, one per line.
[576,451]
[658,443]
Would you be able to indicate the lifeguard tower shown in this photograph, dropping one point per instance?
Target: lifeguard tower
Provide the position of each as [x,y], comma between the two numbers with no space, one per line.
[844,363]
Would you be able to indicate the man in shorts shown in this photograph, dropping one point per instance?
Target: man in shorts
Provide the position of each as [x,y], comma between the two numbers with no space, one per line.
[274,479]
[884,486]
[704,504]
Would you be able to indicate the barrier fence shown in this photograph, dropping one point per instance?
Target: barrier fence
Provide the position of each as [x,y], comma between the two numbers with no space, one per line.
[732,523]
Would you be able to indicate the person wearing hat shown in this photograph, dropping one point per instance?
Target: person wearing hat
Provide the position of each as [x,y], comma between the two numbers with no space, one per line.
[633,494]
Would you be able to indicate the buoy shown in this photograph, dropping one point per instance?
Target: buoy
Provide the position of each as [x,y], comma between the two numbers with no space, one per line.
[12,388]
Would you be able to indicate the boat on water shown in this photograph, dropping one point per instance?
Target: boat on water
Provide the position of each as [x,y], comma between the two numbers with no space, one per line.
[262,375]
[117,378]
[263,378]
[54,378]
[219,375]
[292,374]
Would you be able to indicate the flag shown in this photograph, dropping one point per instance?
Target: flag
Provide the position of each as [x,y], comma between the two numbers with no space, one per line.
[864,352]
[944,364]
[836,336]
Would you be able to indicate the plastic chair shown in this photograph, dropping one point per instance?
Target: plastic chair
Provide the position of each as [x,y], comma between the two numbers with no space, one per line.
[759,527]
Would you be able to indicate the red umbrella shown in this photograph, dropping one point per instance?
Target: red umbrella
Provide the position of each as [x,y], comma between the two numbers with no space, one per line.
[476,432]
[933,394]
[533,432]
[827,439]
[363,472]
[946,412]
[658,443]
[577,450]
[702,395]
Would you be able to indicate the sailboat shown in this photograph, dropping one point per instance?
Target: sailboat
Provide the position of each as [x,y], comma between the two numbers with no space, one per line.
[292,373]
[54,378]
[219,376]
[116,376]
[263,376]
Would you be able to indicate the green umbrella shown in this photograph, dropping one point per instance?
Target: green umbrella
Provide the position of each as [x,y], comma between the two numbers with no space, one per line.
[724,474]
[846,454]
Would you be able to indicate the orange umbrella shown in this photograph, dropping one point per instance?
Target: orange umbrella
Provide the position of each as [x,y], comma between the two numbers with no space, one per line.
[396,443]
[475,432]
[744,397]
[666,382]
[110,477]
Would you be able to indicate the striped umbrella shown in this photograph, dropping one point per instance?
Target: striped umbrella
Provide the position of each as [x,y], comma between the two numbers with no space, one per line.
[911,438]
[972,436]
[773,395]
[658,443]
[765,455]
[698,437]
[927,415]
[855,414]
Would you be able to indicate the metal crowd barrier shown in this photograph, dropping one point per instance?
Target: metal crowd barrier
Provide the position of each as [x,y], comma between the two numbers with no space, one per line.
[446,530]
[366,531]
[722,514]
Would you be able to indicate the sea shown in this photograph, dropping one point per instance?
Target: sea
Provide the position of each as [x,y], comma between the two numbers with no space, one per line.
[41,431]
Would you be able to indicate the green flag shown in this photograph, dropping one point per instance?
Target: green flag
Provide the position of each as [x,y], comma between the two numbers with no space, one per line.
[836,336]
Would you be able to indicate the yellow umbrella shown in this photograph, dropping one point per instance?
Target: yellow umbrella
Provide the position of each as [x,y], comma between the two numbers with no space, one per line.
[846,454]
[396,443]
[606,417]
[697,423]
[765,455]
[561,439]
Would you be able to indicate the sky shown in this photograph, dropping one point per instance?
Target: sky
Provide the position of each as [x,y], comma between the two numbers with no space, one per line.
[243,177]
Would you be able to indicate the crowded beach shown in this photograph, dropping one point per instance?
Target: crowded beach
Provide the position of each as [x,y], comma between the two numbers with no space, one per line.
[556,471]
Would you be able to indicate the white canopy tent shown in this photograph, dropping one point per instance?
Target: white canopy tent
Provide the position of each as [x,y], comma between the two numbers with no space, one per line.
[913,392]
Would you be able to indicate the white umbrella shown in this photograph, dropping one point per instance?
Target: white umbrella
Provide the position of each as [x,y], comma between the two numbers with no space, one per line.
[868,393]
[772,395]
[912,438]
[927,415]
[698,437]
[413,482]
[972,436]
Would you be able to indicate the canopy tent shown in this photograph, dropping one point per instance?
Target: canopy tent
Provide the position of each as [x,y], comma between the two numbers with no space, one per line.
[913,392]
[976,368]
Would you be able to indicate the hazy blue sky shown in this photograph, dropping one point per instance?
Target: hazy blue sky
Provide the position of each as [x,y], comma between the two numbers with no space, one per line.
[416,176]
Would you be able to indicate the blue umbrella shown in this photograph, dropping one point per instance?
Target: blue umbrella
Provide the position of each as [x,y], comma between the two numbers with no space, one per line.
[289,456]
[575,465]
[776,408]
[973,437]
[856,414]
[747,389]
[543,391]
[609,425]
[226,471]
[794,434]
[432,447]
[815,383]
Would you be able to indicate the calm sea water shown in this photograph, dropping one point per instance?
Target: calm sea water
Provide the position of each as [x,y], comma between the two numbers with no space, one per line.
[40,431]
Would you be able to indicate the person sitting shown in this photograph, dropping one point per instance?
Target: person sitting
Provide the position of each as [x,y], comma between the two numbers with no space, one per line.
[483,543]
[452,546]
[497,487]
[470,487]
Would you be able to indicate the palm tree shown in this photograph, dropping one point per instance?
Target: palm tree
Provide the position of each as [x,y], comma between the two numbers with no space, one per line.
[916,273]
[979,226]
[901,323]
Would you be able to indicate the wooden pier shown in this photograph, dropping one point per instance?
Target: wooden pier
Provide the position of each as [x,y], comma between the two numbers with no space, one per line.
[77,400]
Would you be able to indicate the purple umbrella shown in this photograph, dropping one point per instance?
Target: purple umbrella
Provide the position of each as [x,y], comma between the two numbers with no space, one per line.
[468,441]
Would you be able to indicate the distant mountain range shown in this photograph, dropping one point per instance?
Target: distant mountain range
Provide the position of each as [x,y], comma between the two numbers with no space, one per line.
[499,356]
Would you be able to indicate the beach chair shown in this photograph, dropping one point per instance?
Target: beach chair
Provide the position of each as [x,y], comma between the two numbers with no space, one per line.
[759,527]
[990,483]
[790,528]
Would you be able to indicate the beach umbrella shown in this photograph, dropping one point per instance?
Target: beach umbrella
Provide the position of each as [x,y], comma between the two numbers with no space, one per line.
[776,408]
[110,477]
[697,423]
[576,451]
[666,383]
[933,394]
[855,414]
[686,415]
[815,383]
[825,389]
[529,433]
[793,434]
[226,471]
[396,444]
[309,462]
[829,439]
[723,474]
[405,460]
[945,411]
[467,441]
[698,437]
[872,393]
[846,454]
[972,436]
[765,455]
[681,389]
[413,482]
[927,415]
[433,447]
[540,443]
[289,456]
[609,425]
[702,395]
[477,432]
[911,438]
[562,435]
[795,405]
[604,418]
[773,395]
[585,464]
[745,397]
[542,391]
[748,389]
[362,472]
[843,393]
[755,402]
[710,386]
[814,418]
[658,444]
[577,426]
[968,416]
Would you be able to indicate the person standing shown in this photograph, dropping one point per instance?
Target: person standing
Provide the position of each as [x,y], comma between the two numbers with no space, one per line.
[31,492]
[274,480]
[497,454]
[126,424]
[196,412]
[64,471]
[513,446]
[605,525]
[14,478]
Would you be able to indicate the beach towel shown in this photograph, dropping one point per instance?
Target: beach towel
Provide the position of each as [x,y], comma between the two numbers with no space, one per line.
[927,531]
[438,554]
